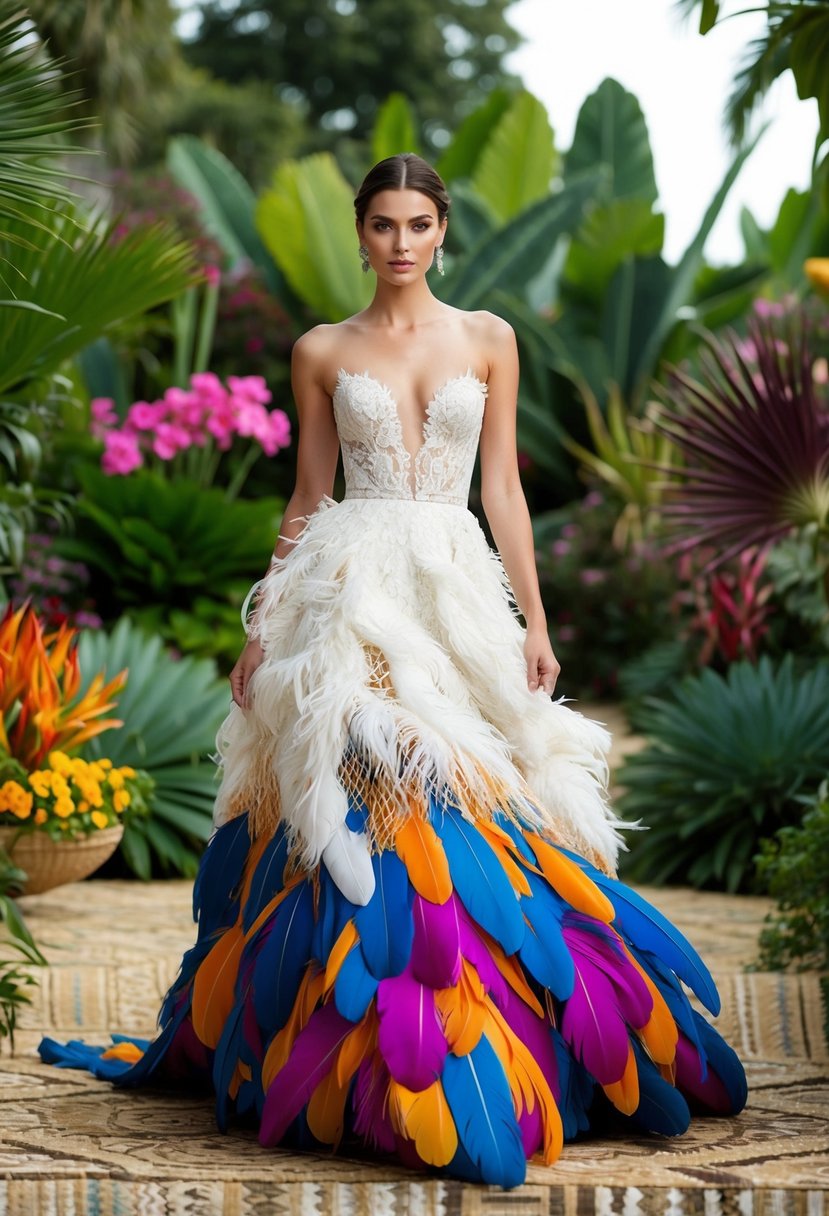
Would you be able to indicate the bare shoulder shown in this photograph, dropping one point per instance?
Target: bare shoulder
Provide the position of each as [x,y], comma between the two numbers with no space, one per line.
[493,328]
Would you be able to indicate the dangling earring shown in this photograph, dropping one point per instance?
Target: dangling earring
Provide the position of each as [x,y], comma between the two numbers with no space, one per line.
[439,258]
[364,259]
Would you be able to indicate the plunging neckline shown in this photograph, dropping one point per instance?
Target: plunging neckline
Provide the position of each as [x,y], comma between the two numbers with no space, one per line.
[427,413]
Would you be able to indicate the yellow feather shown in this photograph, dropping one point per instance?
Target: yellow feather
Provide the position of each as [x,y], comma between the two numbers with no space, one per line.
[348,938]
[425,1118]
[570,881]
[421,852]
[462,1010]
[624,1093]
[213,986]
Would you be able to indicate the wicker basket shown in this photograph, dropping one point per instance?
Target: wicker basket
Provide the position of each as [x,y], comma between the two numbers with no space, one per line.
[50,863]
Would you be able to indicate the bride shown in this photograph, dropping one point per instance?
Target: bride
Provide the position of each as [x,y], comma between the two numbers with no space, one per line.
[410,936]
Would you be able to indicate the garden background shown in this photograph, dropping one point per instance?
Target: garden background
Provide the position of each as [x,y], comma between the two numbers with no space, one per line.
[174,214]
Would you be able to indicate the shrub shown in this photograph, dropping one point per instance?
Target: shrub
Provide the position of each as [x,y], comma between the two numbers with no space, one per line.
[794,867]
[725,762]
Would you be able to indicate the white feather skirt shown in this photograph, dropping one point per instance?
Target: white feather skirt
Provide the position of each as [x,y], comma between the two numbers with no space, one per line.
[394,672]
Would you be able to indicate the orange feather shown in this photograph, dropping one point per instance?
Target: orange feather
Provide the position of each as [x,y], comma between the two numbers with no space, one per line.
[326,1109]
[425,1118]
[123,1051]
[495,839]
[531,1083]
[272,905]
[510,968]
[570,881]
[213,986]
[356,1046]
[308,994]
[660,1033]
[624,1093]
[421,852]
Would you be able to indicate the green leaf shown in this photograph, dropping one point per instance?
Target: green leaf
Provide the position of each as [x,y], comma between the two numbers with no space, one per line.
[394,128]
[516,165]
[611,131]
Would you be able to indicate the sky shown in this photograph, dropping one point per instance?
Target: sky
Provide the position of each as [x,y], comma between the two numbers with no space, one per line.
[682,81]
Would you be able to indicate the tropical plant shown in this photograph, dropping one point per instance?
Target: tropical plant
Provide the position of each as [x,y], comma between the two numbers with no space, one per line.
[144,534]
[725,761]
[45,702]
[171,710]
[793,866]
[15,937]
[124,53]
[756,443]
[733,609]
[605,607]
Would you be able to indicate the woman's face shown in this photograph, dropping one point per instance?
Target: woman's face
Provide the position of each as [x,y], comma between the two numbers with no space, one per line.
[401,232]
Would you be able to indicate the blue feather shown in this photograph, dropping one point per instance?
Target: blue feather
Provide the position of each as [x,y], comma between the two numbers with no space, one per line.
[661,1108]
[478,877]
[225,1059]
[215,890]
[281,961]
[674,996]
[646,928]
[544,951]
[577,1089]
[357,814]
[478,1095]
[724,1061]
[385,923]
[516,835]
[355,986]
[268,878]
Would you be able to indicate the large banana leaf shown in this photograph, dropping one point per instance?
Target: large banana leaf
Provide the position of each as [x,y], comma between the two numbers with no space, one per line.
[459,159]
[611,131]
[307,222]
[81,283]
[516,165]
[394,128]
[520,248]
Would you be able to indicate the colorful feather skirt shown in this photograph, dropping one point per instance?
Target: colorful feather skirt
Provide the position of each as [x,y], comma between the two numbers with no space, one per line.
[496,996]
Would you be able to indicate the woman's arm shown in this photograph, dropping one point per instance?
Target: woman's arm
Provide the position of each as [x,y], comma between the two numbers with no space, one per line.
[504,503]
[316,465]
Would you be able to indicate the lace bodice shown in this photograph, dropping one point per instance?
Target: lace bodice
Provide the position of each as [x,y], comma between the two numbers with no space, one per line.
[376,461]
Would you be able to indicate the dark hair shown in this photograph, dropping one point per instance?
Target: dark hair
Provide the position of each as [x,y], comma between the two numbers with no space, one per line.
[405,171]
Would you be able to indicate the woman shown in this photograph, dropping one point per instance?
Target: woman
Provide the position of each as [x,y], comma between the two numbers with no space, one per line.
[410,933]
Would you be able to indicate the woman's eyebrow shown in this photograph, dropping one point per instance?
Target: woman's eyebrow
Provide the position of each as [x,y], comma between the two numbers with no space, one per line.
[411,221]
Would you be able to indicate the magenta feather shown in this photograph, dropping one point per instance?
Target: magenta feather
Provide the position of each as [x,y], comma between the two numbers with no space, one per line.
[410,1037]
[474,950]
[593,940]
[187,1054]
[592,1024]
[371,1111]
[530,1124]
[700,1084]
[436,952]
[313,1055]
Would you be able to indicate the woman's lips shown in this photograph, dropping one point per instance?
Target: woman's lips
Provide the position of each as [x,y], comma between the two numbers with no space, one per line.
[400,265]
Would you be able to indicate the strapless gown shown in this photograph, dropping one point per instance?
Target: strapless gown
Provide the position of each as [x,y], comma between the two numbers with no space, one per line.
[410,933]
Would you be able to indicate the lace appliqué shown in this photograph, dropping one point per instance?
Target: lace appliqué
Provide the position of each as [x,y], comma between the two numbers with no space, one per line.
[375,460]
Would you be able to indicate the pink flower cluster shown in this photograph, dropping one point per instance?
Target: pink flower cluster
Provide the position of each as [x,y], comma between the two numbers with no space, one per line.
[192,417]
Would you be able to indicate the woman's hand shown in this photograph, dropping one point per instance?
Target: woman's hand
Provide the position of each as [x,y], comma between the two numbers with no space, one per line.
[246,665]
[542,665]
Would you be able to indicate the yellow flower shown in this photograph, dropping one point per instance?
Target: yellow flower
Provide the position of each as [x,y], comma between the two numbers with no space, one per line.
[60,785]
[60,762]
[817,272]
[41,782]
[84,806]
[97,771]
[116,779]
[127,771]
[14,798]
[23,806]
[99,819]
[64,807]
[121,800]
[40,815]
[105,763]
